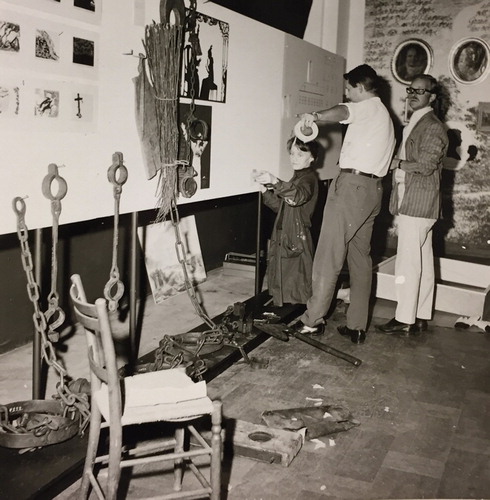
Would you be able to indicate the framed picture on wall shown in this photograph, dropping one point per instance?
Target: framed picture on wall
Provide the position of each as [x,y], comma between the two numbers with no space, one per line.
[483,123]
[205,59]
[411,57]
[468,60]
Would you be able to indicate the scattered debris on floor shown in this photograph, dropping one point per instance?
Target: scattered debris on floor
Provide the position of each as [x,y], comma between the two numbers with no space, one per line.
[318,420]
[472,323]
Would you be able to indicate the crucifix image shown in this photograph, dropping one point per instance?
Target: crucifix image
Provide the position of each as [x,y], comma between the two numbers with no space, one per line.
[79,100]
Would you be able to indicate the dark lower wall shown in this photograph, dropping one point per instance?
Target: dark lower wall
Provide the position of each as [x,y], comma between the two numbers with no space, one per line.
[224,225]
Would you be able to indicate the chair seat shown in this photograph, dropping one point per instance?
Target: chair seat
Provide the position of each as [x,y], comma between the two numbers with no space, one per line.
[156,396]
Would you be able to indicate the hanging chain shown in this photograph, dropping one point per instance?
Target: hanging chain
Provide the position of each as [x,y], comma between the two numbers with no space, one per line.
[195,51]
[117,175]
[70,399]
[54,315]
[180,250]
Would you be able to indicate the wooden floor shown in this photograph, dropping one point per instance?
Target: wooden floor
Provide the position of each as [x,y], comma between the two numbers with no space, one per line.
[423,405]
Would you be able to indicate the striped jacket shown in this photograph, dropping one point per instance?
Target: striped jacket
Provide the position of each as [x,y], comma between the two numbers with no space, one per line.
[427,146]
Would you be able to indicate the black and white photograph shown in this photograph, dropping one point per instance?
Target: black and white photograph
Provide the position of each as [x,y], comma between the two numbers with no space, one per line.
[85,4]
[205,59]
[412,57]
[9,36]
[469,60]
[483,124]
[245,249]
[47,45]
[195,141]
[47,103]
[83,51]
[9,100]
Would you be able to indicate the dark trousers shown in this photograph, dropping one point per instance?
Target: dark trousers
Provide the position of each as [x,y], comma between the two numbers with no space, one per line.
[353,203]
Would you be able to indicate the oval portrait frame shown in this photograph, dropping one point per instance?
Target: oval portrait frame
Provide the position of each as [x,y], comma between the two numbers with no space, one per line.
[423,52]
[481,67]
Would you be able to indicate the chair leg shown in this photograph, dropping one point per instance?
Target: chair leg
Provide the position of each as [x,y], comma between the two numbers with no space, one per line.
[114,465]
[93,442]
[179,462]
[216,450]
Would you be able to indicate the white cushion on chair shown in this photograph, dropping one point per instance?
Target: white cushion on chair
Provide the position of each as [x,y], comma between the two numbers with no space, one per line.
[160,395]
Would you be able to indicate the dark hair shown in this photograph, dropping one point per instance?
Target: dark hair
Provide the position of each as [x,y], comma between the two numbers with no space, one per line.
[365,75]
[313,147]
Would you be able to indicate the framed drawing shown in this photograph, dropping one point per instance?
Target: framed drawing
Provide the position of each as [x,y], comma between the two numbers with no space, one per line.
[163,266]
[468,60]
[411,57]
[483,123]
[205,59]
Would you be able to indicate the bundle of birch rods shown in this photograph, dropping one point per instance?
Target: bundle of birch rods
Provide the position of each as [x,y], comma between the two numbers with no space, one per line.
[163,46]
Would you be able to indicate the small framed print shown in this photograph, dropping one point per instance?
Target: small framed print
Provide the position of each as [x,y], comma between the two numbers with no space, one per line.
[411,58]
[483,123]
[468,61]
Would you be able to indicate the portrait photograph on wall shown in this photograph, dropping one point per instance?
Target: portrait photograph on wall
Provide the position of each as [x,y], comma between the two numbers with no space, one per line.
[411,58]
[205,59]
[468,60]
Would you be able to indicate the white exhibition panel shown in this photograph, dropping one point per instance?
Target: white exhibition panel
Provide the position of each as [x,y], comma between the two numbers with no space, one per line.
[245,129]
[313,81]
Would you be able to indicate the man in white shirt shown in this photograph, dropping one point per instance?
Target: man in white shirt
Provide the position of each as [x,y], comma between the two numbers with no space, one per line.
[353,202]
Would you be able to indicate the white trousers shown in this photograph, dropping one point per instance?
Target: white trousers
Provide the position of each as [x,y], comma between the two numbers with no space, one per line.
[414,269]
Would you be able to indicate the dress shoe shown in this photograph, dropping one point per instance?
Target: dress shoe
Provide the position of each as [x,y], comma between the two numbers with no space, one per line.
[421,324]
[300,327]
[356,336]
[394,326]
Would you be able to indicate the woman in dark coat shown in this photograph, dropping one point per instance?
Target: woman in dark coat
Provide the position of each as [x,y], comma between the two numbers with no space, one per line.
[290,255]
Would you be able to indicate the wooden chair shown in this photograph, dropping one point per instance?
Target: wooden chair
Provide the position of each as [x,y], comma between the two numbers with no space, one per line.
[142,399]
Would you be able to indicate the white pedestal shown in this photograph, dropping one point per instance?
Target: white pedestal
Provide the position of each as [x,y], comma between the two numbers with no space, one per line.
[460,286]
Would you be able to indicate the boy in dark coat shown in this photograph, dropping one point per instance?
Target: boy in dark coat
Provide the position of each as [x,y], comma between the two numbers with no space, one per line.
[290,256]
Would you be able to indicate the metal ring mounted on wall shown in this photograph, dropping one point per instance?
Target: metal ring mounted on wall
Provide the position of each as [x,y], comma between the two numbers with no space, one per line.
[172,10]
[117,173]
[48,181]
[19,206]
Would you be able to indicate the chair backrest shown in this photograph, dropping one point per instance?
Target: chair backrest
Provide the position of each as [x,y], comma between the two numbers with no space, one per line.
[101,352]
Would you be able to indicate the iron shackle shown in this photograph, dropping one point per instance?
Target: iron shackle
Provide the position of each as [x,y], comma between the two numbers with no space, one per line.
[117,173]
[53,175]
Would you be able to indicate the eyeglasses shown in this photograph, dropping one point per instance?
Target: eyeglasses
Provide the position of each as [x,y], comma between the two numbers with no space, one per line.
[411,90]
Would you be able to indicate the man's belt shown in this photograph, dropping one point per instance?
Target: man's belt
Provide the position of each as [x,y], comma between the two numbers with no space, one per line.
[358,172]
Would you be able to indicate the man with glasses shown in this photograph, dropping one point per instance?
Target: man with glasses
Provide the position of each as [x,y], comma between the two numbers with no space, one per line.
[415,202]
